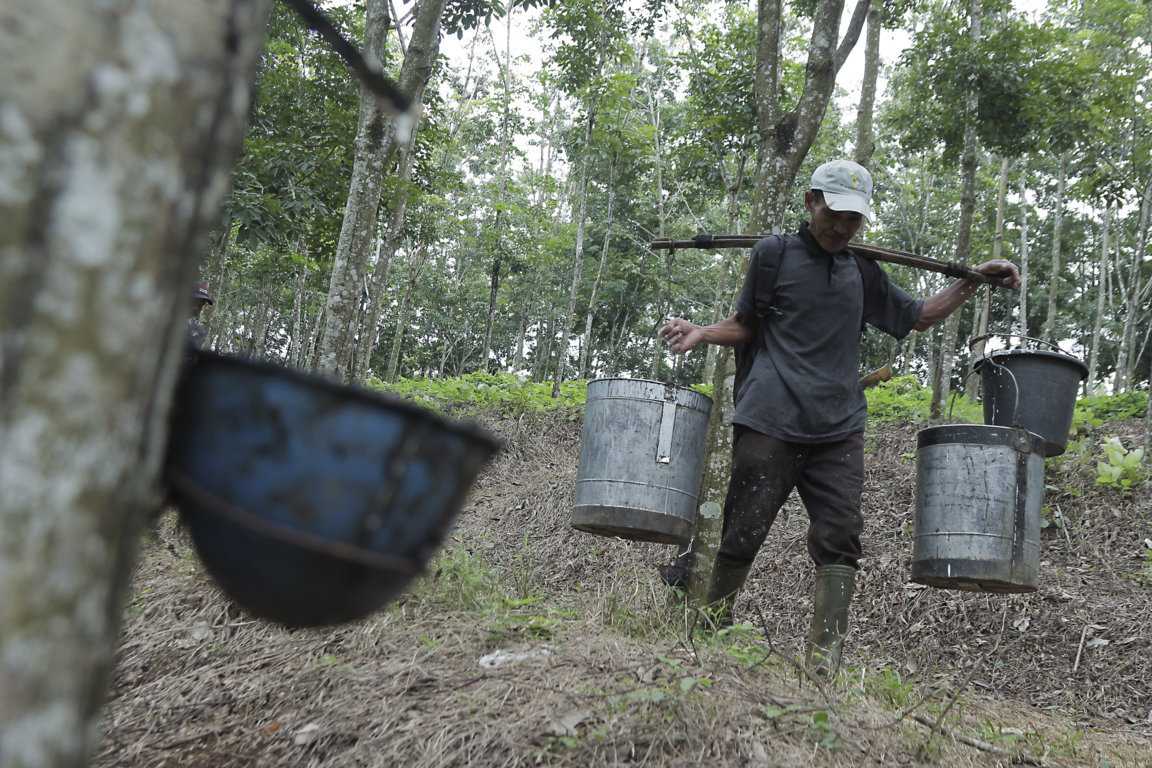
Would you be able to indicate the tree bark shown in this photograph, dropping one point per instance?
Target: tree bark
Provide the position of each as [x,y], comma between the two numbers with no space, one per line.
[518,357]
[578,255]
[1127,360]
[118,127]
[375,140]
[1049,332]
[296,338]
[655,118]
[984,303]
[263,315]
[1024,254]
[416,261]
[349,266]
[785,138]
[216,284]
[865,140]
[1101,289]
[942,381]
[586,353]
[502,195]
[370,330]
[542,354]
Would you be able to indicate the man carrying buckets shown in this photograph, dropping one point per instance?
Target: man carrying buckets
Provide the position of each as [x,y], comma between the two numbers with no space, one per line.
[800,411]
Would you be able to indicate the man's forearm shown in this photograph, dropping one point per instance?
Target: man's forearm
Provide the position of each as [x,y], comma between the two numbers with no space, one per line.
[727,333]
[940,305]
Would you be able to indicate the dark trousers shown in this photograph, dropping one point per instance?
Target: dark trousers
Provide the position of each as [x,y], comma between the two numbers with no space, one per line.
[830,478]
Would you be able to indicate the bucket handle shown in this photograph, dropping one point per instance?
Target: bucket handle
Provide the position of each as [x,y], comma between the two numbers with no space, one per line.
[1015,389]
[972,341]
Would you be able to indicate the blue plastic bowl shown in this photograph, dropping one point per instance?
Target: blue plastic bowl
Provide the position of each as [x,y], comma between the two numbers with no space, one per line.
[312,503]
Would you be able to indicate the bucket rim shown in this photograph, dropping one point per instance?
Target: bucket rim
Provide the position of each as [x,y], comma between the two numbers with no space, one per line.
[679,387]
[205,361]
[993,434]
[1006,353]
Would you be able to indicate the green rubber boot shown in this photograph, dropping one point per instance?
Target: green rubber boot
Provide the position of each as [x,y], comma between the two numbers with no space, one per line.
[727,580]
[831,598]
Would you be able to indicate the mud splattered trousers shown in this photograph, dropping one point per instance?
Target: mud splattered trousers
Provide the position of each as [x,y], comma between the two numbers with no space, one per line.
[829,477]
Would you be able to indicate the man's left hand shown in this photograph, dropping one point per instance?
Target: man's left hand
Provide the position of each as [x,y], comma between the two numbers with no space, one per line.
[1003,269]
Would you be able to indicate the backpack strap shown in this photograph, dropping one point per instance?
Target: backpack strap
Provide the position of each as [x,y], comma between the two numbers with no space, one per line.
[869,277]
[768,253]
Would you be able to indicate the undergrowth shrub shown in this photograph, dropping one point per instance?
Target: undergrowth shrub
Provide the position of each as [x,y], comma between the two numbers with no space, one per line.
[905,399]
[1121,469]
[902,399]
[1095,410]
[502,392]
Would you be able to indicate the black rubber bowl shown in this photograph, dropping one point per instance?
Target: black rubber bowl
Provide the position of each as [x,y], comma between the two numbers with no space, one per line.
[312,503]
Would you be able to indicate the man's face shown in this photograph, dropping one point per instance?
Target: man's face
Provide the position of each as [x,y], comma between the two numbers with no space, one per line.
[832,229]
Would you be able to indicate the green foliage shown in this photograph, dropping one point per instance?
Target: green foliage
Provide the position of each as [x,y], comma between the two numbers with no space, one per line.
[462,581]
[817,722]
[493,392]
[890,687]
[1096,410]
[1028,76]
[744,643]
[1122,469]
[670,692]
[904,400]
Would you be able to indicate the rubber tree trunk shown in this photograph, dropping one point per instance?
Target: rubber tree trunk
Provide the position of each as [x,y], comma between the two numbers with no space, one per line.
[350,264]
[578,254]
[785,136]
[375,140]
[518,357]
[499,224]
[416,261]
[216,284]
[865,139]
[1148,426]
[119,123]
[1049,331]
[1101,290]
[1024,255]
[984,305]
[783,141]
[586,352]
[385,252]
[296,338]
[942,378]
[710,519]
[1127,358]
[663,301]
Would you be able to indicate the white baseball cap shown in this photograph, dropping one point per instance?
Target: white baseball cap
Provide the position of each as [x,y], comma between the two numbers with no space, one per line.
[847,186]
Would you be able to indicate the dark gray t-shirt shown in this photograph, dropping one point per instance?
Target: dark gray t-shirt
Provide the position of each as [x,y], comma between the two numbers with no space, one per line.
[803,385]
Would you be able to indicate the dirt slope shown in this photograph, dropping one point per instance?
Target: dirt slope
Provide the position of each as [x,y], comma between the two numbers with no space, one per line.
[534,644]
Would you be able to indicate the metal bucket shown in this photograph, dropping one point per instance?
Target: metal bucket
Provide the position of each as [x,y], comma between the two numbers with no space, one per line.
[1031,388]
[979,490]
[310,502]
[641,460]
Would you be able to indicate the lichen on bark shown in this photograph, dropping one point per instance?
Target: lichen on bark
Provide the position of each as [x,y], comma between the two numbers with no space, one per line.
[115,149]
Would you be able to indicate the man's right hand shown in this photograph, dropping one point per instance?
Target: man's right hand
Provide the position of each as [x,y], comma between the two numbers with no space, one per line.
[682,335]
